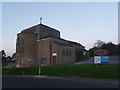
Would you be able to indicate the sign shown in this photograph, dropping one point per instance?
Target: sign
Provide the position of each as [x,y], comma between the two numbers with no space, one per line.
[101,59]
[101,52]
[97,59]
[101,56]
[54,54]
[104,59]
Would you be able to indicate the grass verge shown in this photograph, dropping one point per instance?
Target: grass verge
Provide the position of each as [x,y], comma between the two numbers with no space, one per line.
[83,70]
[20,71]
[109,71]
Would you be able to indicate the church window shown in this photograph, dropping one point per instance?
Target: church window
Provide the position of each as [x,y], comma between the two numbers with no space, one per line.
[66,53]
[43,60]
[63,53]
[69,53]
[45,30]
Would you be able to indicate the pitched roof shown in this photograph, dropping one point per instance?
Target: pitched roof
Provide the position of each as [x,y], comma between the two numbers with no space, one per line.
[63,44]
[75,43]
[71,43]
[34,27]
[48,27]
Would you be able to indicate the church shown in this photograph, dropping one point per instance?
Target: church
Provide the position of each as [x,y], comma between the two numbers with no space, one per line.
[42,45]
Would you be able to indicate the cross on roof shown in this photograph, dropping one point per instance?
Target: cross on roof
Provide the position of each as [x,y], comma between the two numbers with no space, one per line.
[41,20]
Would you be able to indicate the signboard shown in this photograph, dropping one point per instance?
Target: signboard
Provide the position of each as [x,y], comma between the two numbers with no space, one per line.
[101,52]
[104,59]
[54,54]
[97,59]
[100,59]
[101,56]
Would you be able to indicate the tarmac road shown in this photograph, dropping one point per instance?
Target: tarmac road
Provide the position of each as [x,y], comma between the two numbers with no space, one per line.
[51,82]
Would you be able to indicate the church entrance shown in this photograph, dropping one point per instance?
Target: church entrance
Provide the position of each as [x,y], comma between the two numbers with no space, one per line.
[54,59]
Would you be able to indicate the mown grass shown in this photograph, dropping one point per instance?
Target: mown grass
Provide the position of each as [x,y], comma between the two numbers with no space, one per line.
[82,59]
[3,64]
[80,70]
[83,70]
[20,71]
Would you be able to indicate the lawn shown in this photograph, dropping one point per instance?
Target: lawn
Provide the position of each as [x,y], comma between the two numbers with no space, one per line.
[20,71]
[3,64]
[82,59]
[83,70]
[80,70]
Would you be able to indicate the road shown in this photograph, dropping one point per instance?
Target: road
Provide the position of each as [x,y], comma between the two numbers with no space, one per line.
[38,82]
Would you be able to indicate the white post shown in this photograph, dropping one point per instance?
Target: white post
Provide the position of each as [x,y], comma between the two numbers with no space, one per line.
[39,70]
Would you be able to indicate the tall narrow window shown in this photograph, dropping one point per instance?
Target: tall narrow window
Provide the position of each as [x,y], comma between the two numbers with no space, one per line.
[63,53]
[43,60]
[69,53]
[66,53]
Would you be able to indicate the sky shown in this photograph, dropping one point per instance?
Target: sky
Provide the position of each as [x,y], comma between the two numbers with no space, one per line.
[82,22]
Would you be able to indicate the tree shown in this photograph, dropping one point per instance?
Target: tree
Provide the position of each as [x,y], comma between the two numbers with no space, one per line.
[99,43]
[14,56]
[9,57]
[111,47]
[3,55]
[91,51]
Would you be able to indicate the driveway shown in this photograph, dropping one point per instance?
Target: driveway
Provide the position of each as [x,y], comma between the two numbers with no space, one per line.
[112,60]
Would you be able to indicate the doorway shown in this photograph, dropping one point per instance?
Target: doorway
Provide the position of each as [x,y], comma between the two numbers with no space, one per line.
[54,59]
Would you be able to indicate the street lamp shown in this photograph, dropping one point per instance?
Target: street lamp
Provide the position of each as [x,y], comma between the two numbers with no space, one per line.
[38,41]
[37,45]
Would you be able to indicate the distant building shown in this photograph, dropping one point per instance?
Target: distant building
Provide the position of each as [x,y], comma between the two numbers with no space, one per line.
[42,45]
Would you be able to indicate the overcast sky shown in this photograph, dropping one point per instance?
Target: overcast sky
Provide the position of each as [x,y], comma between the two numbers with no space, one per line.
[82,22]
